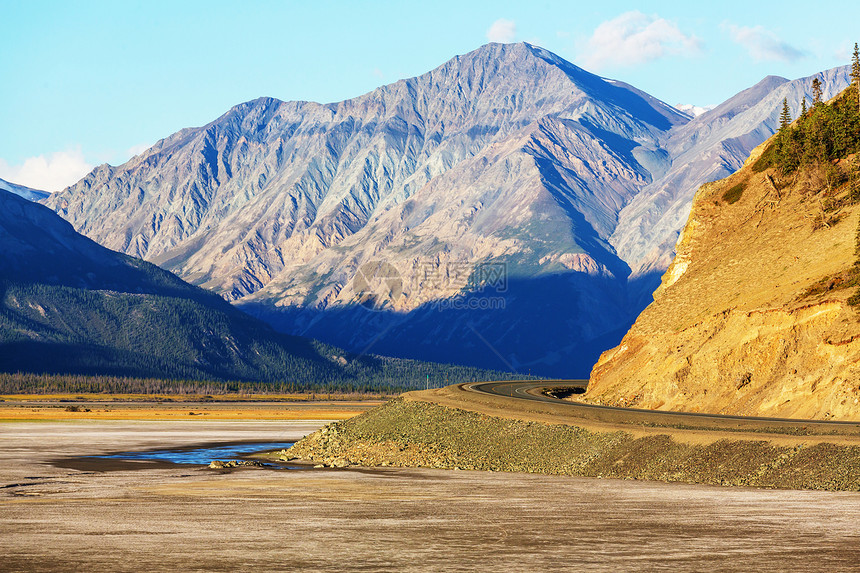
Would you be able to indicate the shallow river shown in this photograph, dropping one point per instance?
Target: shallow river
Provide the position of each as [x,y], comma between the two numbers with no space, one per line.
[195,455]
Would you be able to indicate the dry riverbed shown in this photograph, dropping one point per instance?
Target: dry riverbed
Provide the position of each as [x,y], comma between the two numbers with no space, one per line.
[166,518]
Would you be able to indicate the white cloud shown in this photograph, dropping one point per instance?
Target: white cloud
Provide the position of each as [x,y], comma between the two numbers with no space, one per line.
[137,149]
[844,52]
[53,172]
[503,31]
[762,44]
[636,38]
[377,73]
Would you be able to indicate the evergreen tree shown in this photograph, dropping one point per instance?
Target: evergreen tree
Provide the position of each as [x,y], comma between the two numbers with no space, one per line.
[785,116]
[826,132]
[803,106]
[855,71]
[816,92]
[783,136]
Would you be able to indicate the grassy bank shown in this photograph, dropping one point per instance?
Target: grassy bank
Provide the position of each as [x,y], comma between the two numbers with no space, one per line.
[412,433]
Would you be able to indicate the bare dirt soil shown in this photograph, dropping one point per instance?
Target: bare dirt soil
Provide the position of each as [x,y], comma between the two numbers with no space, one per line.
[169,518]
[753,316]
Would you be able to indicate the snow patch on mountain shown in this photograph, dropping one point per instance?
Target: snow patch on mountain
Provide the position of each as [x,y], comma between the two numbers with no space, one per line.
[693,110]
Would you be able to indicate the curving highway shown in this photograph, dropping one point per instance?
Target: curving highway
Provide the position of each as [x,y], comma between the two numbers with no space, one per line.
[535,392]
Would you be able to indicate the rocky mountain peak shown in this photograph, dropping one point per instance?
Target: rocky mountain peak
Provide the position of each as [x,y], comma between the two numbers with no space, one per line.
[508,155]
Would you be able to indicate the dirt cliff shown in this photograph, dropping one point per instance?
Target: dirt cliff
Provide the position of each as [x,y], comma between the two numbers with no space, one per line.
[752,317]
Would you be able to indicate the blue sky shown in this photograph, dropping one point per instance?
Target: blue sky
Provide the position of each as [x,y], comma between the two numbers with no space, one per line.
[93,82]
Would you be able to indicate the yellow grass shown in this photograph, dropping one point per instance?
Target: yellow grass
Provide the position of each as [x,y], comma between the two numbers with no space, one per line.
[192,397]
[31,410]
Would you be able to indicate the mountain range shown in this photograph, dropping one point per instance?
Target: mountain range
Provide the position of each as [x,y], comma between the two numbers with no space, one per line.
[71,306]
[505,210]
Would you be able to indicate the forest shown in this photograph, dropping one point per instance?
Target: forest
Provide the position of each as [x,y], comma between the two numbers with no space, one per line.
[76,340]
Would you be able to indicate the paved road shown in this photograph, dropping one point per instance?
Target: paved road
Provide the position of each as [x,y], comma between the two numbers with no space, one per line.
[535,391]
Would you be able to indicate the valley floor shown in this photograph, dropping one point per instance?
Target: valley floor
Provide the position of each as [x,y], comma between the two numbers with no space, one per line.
[54,518]
[135,407]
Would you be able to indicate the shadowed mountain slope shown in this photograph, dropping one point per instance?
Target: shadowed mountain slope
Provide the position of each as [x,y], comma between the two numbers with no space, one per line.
[22,191]
[68,305]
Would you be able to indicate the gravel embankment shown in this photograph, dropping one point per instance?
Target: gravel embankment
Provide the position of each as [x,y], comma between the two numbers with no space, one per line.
[411,433]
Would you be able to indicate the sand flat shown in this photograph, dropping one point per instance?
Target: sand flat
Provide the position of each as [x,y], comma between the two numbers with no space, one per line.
[185,517]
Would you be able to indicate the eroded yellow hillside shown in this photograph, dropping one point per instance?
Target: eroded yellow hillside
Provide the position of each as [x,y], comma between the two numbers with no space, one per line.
[752,316]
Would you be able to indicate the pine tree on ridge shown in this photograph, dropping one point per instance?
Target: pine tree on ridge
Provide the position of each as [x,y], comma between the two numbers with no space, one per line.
[855,71]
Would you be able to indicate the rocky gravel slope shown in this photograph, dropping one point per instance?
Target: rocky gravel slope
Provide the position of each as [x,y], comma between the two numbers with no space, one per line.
[410,432]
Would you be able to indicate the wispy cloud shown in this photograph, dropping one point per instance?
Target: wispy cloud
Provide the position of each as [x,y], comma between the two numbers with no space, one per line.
[52,172]
[137,149]
[844,52]
[503,31]
[636,38]
[762,44]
